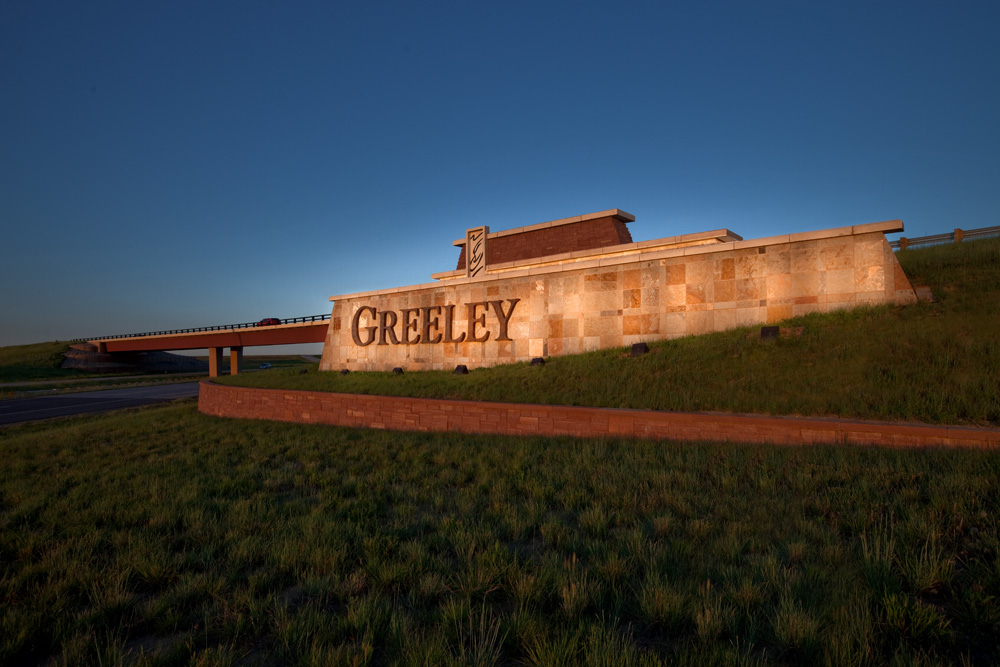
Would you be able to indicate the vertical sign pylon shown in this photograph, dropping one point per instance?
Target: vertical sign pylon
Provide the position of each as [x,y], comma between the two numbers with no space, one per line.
[475,251]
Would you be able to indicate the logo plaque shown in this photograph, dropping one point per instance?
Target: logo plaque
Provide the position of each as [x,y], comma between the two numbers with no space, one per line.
[475,251]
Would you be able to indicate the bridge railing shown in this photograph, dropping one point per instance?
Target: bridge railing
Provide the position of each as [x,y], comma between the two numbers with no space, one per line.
[219,327]
[958,235]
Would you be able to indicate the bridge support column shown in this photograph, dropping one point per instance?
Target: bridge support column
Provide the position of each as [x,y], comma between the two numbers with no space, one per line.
[214,361]
[235,360]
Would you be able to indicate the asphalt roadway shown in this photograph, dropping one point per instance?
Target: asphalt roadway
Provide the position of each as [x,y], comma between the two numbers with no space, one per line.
[64,405]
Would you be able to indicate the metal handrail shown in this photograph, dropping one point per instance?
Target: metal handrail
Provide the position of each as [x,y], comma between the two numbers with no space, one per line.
[218,327]
[957,236]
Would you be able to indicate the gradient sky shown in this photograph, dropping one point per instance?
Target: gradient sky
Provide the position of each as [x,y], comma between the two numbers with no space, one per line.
[179,164]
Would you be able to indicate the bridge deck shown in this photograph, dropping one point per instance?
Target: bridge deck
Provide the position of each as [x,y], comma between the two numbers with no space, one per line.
[281,334]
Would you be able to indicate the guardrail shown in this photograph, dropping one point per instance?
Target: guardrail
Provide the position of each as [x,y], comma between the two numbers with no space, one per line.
[957,236]
[220,327]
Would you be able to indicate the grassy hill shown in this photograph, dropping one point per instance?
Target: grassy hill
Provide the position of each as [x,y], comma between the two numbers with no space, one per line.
[931,362]
[162,536]
[167,537]
[42,361]
[38,361]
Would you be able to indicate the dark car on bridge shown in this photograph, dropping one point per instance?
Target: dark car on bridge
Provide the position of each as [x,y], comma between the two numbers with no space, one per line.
[268,322]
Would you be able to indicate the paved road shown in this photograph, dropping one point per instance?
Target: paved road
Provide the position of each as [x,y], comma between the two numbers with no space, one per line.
[110,379]
[62,405]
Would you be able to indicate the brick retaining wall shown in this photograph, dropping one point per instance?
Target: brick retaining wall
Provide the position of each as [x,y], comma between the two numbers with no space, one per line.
[423,414]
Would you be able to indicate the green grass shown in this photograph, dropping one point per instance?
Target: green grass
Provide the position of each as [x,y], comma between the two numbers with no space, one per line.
[37,366]
[94,382]
[930,362]
[39,361]
[165,537]
[286,361]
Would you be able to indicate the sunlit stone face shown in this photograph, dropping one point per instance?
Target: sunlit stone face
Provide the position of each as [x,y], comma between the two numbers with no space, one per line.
[611,296]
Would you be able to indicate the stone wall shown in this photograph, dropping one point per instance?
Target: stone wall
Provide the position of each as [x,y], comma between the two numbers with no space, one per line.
[614,297]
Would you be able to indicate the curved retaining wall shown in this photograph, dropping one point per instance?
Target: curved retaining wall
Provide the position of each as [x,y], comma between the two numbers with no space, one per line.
[424,414]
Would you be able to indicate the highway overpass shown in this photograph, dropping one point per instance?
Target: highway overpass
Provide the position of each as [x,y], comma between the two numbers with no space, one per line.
[309,329]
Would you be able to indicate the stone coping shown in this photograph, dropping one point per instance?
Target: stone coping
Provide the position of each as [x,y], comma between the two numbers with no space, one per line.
[610,213]
[520,419]
[641,252]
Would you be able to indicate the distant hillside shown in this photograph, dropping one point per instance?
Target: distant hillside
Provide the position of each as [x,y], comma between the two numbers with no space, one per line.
[58,360]
[38,361]
[85,357]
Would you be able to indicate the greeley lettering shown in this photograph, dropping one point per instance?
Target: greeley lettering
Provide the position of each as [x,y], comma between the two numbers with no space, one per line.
[430,324]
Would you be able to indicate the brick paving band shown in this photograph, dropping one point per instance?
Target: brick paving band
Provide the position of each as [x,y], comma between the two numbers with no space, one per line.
[426,414]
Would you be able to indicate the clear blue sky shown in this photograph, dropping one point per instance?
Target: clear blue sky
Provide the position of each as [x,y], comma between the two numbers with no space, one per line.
[178,164]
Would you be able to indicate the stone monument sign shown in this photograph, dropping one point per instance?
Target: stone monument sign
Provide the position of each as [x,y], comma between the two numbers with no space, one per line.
[582,283]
